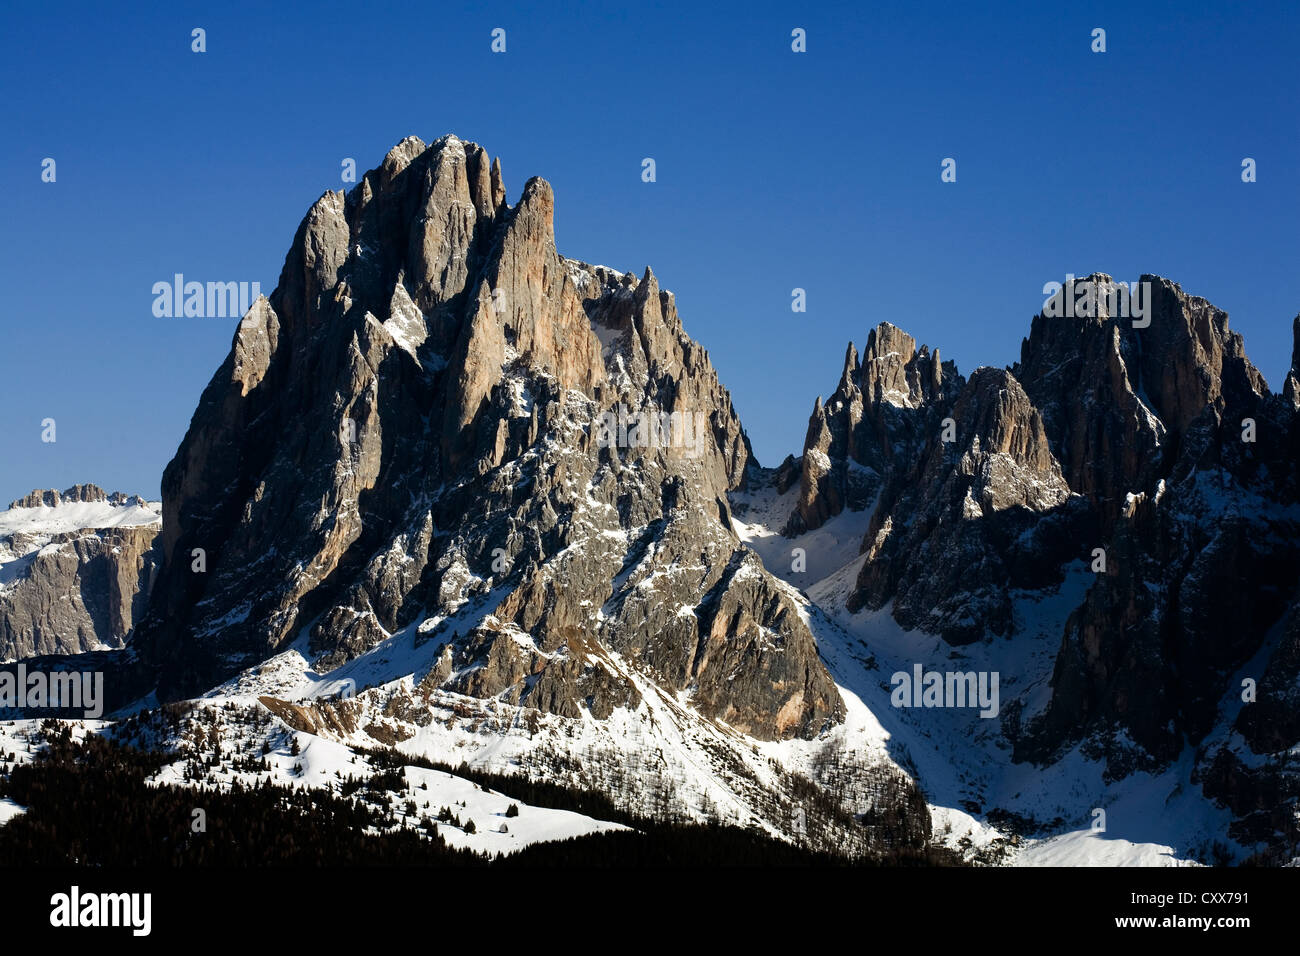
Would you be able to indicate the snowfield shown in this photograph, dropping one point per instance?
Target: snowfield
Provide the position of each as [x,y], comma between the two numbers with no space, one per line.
[961,761]
[78,516]
[322,763]
[27,532]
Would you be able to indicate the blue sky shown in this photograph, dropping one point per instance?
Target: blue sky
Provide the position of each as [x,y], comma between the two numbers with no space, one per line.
[775,170]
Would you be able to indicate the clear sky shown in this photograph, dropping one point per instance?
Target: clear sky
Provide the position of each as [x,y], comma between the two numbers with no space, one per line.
[775,170]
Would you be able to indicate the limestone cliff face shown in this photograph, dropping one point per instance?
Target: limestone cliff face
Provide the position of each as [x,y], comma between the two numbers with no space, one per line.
[439,426]
[73,579]
[1121,401]
[1186,459]
[1155,444]
[948,540]
[871,427]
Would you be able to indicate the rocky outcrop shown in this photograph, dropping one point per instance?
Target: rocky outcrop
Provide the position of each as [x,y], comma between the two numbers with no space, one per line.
[983,510]
[871,427]
[439,426]
[1198,530]
[84,494]
[1120,401]
[1152,454]
[1291,388]
[73,580]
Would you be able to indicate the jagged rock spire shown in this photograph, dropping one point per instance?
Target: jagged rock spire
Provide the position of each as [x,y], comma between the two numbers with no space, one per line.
[431,412]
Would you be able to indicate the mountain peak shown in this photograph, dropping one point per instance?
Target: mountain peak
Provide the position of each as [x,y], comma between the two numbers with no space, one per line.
[88,494]
[437,424]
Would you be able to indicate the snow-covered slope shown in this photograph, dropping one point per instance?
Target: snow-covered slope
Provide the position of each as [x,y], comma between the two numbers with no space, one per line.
[803,560]
[982,803]
[661,758]
[322,763]
[500,824]
[75,570]
[45,521]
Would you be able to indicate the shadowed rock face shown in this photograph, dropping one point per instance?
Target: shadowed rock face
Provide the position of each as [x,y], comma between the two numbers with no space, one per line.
[971,519]
[1197,522]
[1160,445]
[67,584]
[1118,400]
[1291,389]
[870,428]
[408,435]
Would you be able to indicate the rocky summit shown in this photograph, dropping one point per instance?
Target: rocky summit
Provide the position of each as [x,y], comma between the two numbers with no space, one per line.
[1138,474]
[76,570]
[426,427]
[454,495]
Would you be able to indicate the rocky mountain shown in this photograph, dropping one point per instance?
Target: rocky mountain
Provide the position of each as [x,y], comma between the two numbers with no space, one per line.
[869,429]
[1148,457]
[76,570]
[456,369]
[457,499]
[472,478]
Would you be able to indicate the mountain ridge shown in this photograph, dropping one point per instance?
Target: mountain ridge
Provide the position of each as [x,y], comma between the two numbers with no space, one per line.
[451,489]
